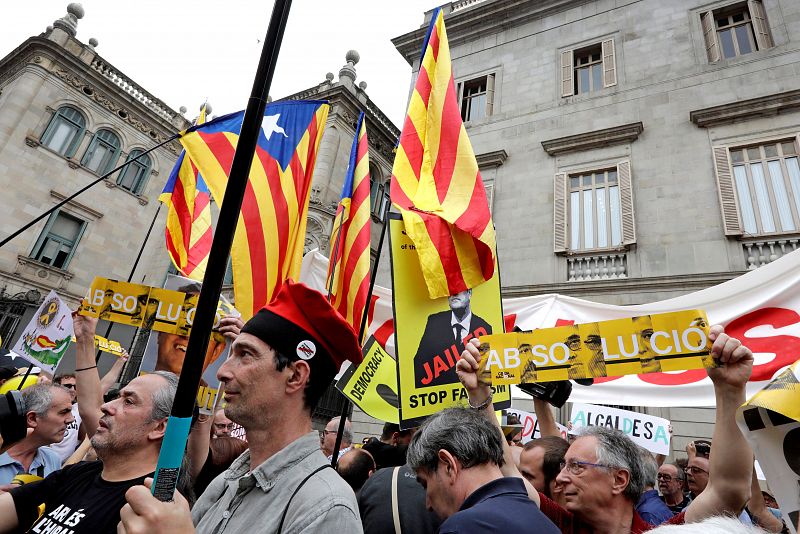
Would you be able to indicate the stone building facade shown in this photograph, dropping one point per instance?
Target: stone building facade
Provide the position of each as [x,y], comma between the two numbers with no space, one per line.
[67,117]
[651,148]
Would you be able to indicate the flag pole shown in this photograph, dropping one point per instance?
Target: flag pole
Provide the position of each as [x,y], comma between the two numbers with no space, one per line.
[361,331]
[89,186]
[174,443]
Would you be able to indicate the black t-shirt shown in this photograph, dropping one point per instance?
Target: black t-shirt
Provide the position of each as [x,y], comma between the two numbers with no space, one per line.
[76,499]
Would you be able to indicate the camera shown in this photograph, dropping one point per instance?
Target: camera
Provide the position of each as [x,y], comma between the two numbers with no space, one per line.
[13,426]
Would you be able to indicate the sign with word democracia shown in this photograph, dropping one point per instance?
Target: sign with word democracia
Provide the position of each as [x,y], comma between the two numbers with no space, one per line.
[372,386]
[647,344]
[430,333]
[647,431]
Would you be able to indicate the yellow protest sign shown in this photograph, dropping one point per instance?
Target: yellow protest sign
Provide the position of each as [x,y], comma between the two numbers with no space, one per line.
[647,344]
[430,333]
[372,386]
[106,345]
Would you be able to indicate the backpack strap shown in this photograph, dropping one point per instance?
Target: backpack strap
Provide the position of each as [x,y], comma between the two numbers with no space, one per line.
[302,483]
[395,504]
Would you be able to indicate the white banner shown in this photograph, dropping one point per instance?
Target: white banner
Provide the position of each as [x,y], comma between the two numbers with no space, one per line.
[761,308]
[530,425]
[647,431]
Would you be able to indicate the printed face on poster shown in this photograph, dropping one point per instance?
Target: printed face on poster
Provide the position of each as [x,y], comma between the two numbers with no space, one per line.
[166,351]
[430,334]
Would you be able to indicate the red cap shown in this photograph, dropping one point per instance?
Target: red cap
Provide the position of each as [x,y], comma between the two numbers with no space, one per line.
[301,323]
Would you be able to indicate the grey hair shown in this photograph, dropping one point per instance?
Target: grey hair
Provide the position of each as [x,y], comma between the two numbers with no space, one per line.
[649,467]
[38,397]
[347,434]
[721,524]
[615,449]
[680,475]
[163,397]
[462,432]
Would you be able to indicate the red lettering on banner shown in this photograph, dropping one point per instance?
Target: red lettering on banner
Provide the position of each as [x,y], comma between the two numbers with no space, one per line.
[564,322]
[510,321]
[785,348]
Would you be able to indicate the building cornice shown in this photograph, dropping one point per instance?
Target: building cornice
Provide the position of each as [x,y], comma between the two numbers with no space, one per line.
[683,283]
[467,21]
[742,110]
[99,82]
[616,135]
[488,160]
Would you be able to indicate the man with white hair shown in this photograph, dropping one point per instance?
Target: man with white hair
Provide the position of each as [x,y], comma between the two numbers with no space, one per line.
[327,437]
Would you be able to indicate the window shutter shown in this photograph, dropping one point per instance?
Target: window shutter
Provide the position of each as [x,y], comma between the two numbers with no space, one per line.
[727,192]
[560,213]
[609,64]
[760,24]
[710,36]
[626,202]
[489,94]
[567,72]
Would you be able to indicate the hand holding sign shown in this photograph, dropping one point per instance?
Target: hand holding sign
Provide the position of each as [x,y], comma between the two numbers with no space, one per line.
[467,369]
[737,360]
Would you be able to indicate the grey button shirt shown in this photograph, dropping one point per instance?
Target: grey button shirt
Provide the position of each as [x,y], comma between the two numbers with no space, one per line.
[239,501]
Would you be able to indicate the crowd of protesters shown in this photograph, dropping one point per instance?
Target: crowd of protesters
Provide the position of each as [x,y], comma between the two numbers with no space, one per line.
[459,472]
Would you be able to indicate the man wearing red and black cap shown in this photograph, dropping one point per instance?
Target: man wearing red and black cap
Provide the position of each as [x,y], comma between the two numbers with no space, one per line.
[278,368]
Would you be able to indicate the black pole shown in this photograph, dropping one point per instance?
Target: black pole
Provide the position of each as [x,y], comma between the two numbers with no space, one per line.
[174,443]
[130,277]
[335,254]
[24,378]
[361,331]
[89,186]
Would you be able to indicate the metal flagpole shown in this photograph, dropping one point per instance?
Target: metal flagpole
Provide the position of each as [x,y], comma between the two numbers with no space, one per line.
[89,186]
[361,332]
[174,443]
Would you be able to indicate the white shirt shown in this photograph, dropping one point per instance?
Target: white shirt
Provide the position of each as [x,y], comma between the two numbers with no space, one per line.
[464,325]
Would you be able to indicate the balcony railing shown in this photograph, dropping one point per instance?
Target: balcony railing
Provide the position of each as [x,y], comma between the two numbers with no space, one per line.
[609,266]
[759,253]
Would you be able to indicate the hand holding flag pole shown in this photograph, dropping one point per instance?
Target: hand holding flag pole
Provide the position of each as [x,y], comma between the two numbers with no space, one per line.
[174,443]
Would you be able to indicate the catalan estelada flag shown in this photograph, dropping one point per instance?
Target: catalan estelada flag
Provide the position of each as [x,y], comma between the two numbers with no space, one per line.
[188,230]
[270,234]
[436,184]
[348,270]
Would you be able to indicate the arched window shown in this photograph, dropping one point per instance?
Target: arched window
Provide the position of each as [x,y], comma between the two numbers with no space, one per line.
[65,131]
[133,176]
[102,153]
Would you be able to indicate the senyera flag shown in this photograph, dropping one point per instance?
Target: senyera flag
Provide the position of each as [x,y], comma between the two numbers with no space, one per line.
[436,184]
[188,231]
[348,272]
[268,245]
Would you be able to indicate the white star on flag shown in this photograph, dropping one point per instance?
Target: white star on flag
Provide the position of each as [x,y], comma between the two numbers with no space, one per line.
[269,124]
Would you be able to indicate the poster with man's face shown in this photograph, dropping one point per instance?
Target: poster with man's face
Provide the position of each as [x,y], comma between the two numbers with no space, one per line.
[166,351]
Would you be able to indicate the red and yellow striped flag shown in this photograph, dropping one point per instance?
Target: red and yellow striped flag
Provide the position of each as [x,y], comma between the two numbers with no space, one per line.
[268,244]
[348,269]
[436,184]
[188,231]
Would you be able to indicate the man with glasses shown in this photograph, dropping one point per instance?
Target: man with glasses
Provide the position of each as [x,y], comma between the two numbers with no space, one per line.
[327,438]
[602,474]
[222,426]
[670,484]
[698,473]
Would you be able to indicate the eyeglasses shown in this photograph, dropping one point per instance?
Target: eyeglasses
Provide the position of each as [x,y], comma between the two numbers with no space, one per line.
[692,470]
[667,478]
[323,433]
[576,467]
[223,426]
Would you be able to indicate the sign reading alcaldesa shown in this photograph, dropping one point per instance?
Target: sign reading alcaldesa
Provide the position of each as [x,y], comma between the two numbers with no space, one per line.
[648,431]
[648,344]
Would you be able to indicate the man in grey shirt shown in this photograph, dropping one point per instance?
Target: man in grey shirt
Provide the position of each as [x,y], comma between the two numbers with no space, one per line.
[278,368]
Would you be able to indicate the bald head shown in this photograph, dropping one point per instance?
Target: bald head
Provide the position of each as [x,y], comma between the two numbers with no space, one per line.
[355,467]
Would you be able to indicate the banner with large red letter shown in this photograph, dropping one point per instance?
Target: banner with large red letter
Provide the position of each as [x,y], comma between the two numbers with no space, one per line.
[761,308]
